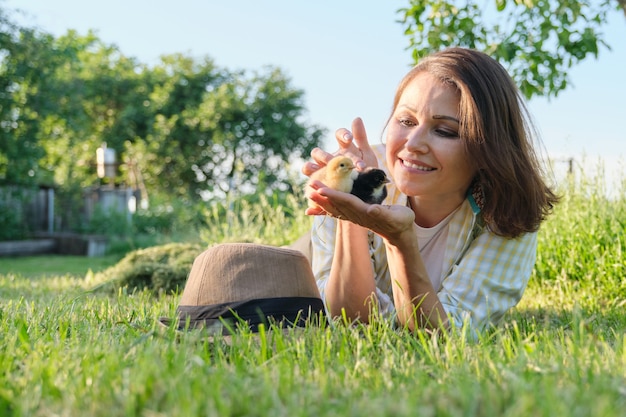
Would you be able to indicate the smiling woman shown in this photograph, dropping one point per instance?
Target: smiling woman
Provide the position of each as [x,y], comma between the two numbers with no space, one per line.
[425,155]
[455,245]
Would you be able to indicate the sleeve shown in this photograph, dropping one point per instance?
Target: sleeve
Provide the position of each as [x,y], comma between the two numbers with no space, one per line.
[323,246]
[488,280]
[323,235]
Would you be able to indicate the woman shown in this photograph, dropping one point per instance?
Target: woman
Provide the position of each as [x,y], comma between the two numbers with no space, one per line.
[456,238]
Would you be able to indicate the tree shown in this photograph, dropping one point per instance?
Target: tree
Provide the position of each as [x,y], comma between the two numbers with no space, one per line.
[537,40]
[20,50]
[185,125]
[215,130]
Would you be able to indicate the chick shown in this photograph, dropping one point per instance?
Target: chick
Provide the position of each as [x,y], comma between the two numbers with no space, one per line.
[370,187]
[339,174]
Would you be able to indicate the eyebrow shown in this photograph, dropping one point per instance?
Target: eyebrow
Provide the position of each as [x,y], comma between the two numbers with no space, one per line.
[436,116]
[442,117]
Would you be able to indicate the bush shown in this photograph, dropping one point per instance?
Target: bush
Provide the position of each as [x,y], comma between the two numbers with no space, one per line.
[108,223]
[14,204]
[13,227]
[160,269]
[151,221]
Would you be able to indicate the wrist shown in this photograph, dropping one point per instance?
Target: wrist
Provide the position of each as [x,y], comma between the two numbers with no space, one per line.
[402,241]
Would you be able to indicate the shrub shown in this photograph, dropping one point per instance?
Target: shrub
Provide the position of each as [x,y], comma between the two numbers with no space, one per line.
[160,269]
[13,227]
[108,222]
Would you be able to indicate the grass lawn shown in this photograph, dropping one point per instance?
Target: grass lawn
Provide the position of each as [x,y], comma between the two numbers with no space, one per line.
[69,351]
[52,265]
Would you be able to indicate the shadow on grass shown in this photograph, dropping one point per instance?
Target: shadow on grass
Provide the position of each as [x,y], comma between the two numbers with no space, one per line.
[606,323]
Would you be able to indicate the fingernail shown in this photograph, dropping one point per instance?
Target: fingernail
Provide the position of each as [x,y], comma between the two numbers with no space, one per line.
[347,137]
[361,165]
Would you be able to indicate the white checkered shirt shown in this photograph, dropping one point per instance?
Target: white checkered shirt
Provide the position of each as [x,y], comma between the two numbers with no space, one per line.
[484,274]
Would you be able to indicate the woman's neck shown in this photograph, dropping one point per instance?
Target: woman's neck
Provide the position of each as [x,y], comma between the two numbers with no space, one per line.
[430,212]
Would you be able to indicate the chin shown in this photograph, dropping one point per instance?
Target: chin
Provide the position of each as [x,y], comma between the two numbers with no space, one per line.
[407,184]
[409,188]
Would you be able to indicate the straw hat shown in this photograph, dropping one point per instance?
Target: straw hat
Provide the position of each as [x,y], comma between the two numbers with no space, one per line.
[235,284]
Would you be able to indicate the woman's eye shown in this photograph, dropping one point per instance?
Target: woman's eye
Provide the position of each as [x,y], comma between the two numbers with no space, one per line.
[445,133]
[406,122]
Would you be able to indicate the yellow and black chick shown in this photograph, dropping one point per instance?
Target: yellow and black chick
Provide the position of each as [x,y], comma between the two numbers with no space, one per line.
[338,174]
[369,186]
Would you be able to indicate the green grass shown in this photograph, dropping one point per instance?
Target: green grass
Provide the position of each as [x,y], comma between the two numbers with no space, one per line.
[67,351]
[52,265]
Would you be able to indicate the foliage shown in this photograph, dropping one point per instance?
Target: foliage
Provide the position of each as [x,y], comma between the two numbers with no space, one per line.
[160,268]
[239,133]
[184,126]
[19,151]
[13,228]
[108,223]
[12,213]
[537,40]
[277,221]
[584,242]
[155,220]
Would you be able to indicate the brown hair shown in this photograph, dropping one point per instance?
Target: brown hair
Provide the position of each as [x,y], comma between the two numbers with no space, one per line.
[498,135]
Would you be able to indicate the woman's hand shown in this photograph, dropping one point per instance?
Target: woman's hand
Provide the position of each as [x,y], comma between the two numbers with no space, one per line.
[352,144]
[390,222]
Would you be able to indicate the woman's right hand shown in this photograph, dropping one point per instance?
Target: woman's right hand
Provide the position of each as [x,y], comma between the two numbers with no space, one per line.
[353,144]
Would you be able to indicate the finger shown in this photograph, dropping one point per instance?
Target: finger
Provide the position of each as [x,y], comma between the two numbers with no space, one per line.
[320,203]
[315,185]
[309,168]
[344,138]
[314,211]
[360,134]
[348,145]
[320,156]
[361,142]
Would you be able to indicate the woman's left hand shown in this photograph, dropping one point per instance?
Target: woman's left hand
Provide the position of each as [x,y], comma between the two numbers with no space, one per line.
[387,221]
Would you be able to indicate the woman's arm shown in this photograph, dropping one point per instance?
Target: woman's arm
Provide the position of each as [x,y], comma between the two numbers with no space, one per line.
[351,278]
[417,304]
[351,285]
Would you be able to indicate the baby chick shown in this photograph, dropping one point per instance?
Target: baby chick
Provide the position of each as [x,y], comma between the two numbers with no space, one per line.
[339,174]
[369,186]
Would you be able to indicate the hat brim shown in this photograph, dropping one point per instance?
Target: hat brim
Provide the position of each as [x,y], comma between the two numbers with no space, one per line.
[240,336]
[229,318]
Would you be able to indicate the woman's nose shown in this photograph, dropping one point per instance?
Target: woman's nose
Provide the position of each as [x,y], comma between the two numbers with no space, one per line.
[417,141]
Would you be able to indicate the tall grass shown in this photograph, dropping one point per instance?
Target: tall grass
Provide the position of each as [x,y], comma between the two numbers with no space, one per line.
[65,351]
[266,221]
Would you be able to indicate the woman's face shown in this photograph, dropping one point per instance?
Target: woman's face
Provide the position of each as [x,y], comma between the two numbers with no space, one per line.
[425,155]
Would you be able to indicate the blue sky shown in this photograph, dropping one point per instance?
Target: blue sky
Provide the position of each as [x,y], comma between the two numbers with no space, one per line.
[347,56]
